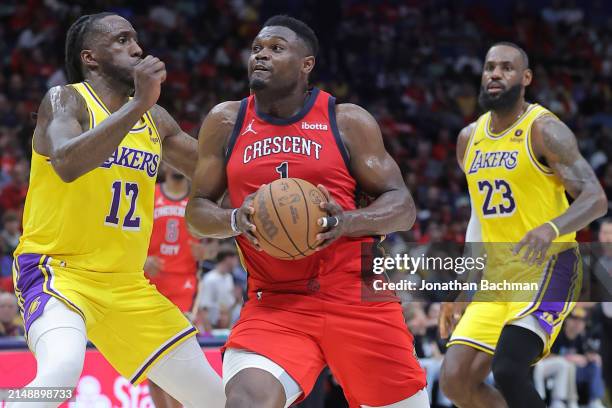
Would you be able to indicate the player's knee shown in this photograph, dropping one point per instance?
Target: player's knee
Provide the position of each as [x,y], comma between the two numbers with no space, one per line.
[247,397]
[453,380]
[506,371]
[63,372]
[254,388]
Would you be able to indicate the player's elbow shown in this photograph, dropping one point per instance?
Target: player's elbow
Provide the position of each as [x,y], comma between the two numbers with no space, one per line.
[67,174]
[407,216]
[601,205]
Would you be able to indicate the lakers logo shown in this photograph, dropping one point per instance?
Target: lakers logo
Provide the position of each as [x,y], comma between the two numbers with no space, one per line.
[34,306]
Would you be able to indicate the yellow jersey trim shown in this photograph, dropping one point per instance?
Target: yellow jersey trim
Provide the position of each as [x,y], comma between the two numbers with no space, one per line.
[495,136]
[141,373]
[532,156]
[471,343]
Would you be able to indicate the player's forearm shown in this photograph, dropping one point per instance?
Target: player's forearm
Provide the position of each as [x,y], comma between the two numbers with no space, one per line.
[391,211]
[207,219]
[590,205]
[90,149]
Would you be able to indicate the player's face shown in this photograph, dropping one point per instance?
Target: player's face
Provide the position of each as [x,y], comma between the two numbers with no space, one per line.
[116,50]
[504,78]
[277,59]
[605,233]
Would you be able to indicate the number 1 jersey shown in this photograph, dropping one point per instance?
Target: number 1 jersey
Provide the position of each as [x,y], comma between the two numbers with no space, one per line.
[308,146]
[101,221]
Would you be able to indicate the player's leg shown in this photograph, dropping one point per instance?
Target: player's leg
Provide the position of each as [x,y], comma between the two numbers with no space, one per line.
[518,348]
[252,380]
[161,398]
[468,360]
[418,400]
[144,335]
[462,378]
[58,339]
[186,375]
[370,352]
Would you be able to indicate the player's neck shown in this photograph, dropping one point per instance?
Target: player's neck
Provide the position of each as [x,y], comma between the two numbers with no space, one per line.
[175,190]
[113,94]
[285,106]
[502,120]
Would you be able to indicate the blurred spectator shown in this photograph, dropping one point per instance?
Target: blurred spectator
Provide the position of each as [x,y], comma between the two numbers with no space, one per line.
[11,231]
[218,304]
[572,344]
[426,348]
[10,321]
[605,276]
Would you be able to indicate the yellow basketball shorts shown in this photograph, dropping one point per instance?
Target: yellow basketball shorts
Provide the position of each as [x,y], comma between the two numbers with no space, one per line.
[127,319]
[560,282]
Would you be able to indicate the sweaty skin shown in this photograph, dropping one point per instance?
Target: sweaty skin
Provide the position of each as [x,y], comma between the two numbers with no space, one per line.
[62,130]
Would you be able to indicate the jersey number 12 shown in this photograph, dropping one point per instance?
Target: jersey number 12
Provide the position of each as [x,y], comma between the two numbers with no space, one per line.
[130,222]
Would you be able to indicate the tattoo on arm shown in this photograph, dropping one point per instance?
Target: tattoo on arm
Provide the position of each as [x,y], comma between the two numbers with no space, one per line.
[562,155]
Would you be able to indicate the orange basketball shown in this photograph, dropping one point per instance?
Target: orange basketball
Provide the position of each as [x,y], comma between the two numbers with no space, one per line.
[286,214]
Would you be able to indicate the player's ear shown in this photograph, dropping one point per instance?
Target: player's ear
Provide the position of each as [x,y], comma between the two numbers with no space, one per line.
[308,64]
[88,59]
[527,77]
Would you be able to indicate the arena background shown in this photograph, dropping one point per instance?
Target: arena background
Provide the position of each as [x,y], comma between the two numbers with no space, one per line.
[415,65]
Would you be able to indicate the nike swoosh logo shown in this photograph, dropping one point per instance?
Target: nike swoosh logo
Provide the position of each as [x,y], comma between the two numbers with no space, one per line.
[478,141]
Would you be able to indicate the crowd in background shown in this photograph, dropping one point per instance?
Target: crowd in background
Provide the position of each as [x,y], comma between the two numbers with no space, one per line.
[414,65]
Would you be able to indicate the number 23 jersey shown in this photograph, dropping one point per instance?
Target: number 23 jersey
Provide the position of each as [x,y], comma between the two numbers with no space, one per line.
[101,221]
[512,191]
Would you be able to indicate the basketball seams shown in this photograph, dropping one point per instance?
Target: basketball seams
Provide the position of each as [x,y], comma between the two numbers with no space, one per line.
[271,244]
[281,221]
[307,215]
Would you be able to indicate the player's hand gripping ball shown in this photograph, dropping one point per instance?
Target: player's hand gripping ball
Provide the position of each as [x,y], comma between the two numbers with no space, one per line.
[286,218]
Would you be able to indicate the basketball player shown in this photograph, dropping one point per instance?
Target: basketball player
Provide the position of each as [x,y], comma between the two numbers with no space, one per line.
[171,264]
[78,269]
[304,314]
[519,161]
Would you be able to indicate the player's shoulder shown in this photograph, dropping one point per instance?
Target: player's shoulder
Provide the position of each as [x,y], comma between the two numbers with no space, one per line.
[466,131]
[351,111]
[62,99]
[352,119]
[226,111]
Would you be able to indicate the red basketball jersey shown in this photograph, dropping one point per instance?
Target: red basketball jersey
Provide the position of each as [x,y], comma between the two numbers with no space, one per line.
[170,239]
[262,149]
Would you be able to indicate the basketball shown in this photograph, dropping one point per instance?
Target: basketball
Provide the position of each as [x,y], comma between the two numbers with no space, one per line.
[286,214]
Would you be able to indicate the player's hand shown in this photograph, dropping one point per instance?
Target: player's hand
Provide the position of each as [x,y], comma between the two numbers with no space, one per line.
[536,243]
[149,74]
[244,220]
[334,223]
[450,313]
[153,266]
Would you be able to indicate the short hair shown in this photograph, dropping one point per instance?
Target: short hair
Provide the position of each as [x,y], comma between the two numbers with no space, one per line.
[74,44]
[300,28]
[607,220]
[524,55]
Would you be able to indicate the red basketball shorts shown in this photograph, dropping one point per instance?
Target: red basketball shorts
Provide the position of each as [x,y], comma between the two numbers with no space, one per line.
[367,346]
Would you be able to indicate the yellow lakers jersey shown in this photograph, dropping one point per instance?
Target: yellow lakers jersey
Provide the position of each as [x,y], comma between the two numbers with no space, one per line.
[512,191]
[101,221]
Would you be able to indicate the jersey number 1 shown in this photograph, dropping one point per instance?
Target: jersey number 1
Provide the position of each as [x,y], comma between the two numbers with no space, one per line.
[283,170]
[129,221]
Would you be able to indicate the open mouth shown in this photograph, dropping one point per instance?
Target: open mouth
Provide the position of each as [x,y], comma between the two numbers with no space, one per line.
[495,88]
[260,68]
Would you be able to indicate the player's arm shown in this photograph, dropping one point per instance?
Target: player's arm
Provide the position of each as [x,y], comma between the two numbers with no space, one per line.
[203,215]
[556,143]
[377,174]
[179,149]
[61,130]
[456,302]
